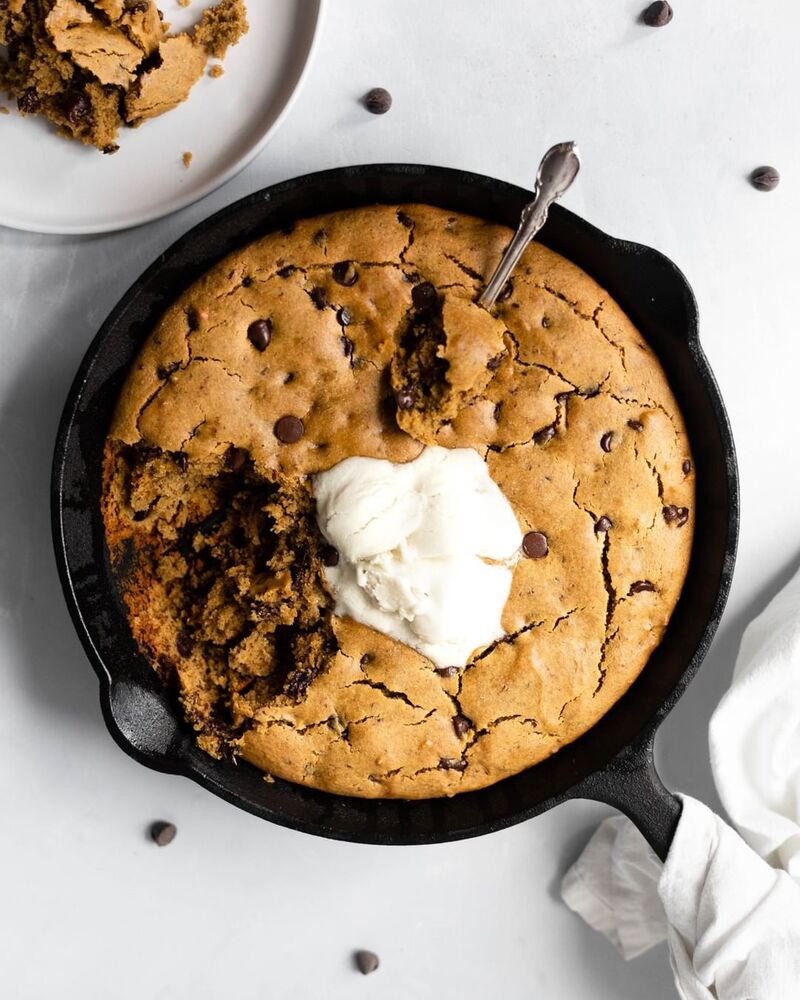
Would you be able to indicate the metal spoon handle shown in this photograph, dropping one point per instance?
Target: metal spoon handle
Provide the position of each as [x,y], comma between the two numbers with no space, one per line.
[558,169]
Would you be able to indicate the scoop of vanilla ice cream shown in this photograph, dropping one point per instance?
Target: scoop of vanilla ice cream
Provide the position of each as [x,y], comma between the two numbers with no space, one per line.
[426,549]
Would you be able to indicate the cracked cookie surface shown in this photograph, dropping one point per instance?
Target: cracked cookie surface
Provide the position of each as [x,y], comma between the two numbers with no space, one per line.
[357,334]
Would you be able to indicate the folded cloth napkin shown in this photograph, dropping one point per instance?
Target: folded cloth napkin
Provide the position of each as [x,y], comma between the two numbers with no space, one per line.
[732,921]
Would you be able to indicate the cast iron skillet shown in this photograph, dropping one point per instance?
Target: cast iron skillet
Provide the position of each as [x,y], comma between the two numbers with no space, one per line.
[613,762]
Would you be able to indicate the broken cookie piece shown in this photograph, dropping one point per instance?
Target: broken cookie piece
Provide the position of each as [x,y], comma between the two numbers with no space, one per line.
[94,66]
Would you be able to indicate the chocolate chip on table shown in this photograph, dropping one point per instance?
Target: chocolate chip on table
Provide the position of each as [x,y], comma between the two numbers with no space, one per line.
[452,764]
[330,557]
[461,724]
[405,399]
[366,962]
[636,425]
[534,545]
[378,101]
[603,524]
[345,273]
[424,296]
[163,833]
[259,333]
[606,441]
[676,515]
[289,430]
[641,586]
[344,316]
[765,178]
[657,14]
[687,467]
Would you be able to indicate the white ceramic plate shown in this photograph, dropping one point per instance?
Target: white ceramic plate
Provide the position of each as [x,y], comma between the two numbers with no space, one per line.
[51,185]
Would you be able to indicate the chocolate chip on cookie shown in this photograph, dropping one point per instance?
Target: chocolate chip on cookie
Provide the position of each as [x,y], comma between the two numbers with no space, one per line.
[636,425]
[676,515]
[535,545]
[686,467]
[461,724]
[259,333]
[607,441]
[452,764]
[424,296]
[345,273]
[447,671]
[344,317]
[405,399]
[603,524]
[641,587]
[289,429]
[330,557]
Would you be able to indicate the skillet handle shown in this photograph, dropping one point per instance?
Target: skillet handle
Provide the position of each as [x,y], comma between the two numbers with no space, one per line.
[631,784]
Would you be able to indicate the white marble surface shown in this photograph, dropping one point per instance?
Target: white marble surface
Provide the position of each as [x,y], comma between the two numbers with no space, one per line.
[669,122]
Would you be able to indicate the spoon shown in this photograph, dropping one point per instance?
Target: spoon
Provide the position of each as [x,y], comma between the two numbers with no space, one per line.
[558,169]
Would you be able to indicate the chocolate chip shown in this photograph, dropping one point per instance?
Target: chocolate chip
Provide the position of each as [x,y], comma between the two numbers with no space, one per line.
[344,316]
[447,671]
[498,409]
[378,101]
[237,459]
[141,515]
[345,273]
[181,459]
[247,281]
[259,333]
[366,962]
[452,764]
[545,434]
[77,107]
[636,425]
[534,545]
[185,643]
[347,346]
[603,524]
[318,297]
[365,659]
[330,557]
[461,724]
[641,586]
[676,515]
[405,399]
[320,237]
[657,14]
[289,430]
[29,101]
[405,220]
[494,363]
[424,296]
[606,440]
[765,178]
[286,272]
[506,291]
[545,322]
[687,467]
[163,833]
[110,148]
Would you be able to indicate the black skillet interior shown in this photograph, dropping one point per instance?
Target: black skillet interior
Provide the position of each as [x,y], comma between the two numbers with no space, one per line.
[608,762]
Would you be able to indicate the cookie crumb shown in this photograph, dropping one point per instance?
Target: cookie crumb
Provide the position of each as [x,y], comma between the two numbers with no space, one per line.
[187,159]
[216,71]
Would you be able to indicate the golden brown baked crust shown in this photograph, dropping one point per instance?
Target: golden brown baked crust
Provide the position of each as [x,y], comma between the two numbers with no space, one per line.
[94,66]
[210,520]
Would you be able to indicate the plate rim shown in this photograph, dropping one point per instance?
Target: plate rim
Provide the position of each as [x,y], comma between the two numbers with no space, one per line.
[216,182]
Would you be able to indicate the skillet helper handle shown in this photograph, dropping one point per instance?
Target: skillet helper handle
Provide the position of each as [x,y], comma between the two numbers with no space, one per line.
[631,784]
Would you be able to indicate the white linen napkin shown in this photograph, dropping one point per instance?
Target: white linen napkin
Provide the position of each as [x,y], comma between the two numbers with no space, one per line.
[731,920]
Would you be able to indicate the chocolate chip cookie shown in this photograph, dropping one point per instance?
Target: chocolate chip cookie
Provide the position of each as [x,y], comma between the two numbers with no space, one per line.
[357,333]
